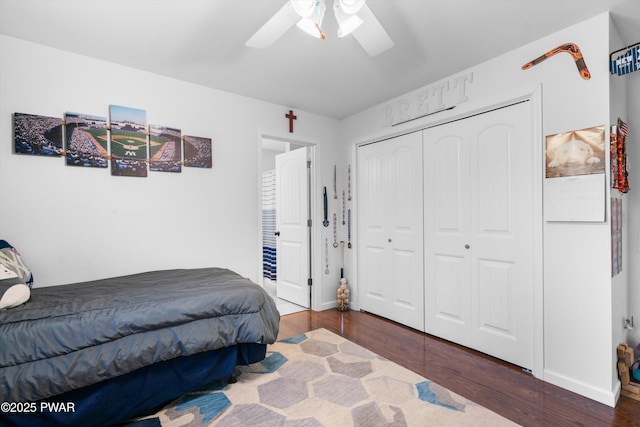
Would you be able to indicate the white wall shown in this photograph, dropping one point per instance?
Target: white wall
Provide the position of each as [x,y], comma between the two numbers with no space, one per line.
[75,224]
[578,299]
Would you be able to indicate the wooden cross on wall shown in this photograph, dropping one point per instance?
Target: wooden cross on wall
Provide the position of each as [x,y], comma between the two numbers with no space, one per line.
[291,118]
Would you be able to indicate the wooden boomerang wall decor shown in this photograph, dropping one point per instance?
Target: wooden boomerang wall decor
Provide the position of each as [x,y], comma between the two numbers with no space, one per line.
[573,50]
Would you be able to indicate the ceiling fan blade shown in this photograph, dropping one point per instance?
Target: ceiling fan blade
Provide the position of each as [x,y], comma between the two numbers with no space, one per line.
[274,28]
[371,35]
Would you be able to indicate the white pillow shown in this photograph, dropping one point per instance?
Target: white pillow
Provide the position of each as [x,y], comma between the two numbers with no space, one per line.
[14,296]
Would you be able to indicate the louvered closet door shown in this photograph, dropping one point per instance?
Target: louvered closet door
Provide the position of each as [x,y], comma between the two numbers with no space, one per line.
[479,213]
[390,229]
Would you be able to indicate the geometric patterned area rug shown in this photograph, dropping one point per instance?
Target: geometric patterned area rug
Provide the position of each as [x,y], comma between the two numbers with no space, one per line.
[322,379]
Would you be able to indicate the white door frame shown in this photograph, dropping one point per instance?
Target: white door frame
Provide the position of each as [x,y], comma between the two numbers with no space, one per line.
[534,95]
[314,154]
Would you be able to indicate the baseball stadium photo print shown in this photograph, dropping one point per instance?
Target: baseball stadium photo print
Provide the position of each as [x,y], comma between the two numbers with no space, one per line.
[128,141]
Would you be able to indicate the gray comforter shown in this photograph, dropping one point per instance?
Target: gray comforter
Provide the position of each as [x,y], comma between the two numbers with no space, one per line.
[71,336]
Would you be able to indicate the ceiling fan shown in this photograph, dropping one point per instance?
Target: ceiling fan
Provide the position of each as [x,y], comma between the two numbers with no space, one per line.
[353,16]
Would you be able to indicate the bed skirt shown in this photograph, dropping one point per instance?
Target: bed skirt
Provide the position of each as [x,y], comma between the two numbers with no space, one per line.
[137,393]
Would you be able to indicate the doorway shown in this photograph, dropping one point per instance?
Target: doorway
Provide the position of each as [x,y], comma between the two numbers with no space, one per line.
[286,238]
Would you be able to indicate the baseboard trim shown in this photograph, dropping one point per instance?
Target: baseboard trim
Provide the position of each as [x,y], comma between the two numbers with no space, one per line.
[606,397]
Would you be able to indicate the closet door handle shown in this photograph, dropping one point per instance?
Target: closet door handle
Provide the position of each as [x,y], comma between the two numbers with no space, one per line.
[277,233]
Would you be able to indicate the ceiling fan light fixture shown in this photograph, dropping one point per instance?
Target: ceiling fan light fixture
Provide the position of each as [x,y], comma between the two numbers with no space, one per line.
[353,17]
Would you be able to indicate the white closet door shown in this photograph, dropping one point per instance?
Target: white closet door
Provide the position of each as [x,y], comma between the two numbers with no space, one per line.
[390,229]
[479,213]
[446,208]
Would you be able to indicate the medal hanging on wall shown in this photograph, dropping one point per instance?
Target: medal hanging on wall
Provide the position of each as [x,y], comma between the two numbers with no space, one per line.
[343,209]
[324,204]
[335,182]
[349,228]
[335,230]
[326,255]
[349,181]
[341,259]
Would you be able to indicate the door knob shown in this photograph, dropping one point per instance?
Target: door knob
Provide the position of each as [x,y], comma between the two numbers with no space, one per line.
[389,240]
[277,233]
[467,246]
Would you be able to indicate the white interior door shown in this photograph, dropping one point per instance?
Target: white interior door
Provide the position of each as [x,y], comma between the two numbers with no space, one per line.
[447,216]
[292,227]
[390,230]
[479,213]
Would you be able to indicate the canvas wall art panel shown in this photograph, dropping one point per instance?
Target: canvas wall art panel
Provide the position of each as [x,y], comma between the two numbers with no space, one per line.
[197,152]
[578,152]
[128,141]
[165,149]
[86,140]
[38,135]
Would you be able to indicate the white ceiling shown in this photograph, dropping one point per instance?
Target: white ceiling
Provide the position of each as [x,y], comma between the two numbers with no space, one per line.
[202,41]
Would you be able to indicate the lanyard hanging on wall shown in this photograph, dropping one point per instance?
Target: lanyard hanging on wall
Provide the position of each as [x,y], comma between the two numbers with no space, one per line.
[349,181]
[349,228]
[326,255]
[335,182]
[325,222]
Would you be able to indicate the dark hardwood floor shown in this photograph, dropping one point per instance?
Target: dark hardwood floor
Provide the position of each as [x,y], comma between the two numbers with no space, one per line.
[494,384]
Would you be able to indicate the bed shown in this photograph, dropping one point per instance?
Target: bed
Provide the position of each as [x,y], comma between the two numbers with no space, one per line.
[111,349]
